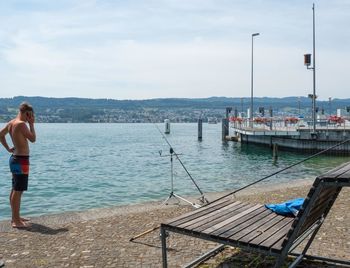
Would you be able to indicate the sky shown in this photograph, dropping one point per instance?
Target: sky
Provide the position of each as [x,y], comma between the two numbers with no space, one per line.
[142,49]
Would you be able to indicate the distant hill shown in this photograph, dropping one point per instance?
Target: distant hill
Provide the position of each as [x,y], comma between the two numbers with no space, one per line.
[212,102]
[102,110]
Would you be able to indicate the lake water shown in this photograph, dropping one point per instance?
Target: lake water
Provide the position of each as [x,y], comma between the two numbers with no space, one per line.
[81,166]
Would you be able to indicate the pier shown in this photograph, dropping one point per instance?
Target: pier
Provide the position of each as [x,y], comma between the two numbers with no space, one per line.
[292,133]
[315,133]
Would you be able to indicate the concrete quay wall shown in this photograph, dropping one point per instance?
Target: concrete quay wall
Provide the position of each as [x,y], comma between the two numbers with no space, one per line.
[304,142]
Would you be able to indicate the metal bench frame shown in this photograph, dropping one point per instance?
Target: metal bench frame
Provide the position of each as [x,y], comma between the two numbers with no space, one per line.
[304,226]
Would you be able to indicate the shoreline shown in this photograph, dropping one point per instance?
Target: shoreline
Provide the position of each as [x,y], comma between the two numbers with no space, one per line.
[147,206]
[101,237]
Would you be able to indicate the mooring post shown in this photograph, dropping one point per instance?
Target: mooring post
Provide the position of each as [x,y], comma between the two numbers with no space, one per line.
[275,151]
[167,126]
[271,117]
[225,130]
[200,129]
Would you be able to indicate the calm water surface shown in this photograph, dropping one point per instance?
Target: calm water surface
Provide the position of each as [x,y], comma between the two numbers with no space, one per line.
[81,166]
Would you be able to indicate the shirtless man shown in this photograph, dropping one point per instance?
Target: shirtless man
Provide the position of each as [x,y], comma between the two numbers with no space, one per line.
[19,160]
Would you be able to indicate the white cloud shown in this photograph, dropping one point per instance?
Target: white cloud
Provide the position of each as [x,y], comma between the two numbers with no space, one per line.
[148,49]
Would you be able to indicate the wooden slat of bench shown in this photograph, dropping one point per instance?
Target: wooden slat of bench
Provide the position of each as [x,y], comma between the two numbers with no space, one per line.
[314,215]
[192,224]
[254,226]
[323,195]
[234,226]
[262,229]
[327,191]
[219,218]
[276,237]
[339,171]
[334,173]
[280,243]
[197,213]
[306,206]
[317,211]
[244,222]
[325,199]
[337,182]
[345,175]
[224,230]
[272,230]
[231,219]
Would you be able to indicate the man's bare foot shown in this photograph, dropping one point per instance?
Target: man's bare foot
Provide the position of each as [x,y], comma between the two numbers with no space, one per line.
[23,219]
[20,224]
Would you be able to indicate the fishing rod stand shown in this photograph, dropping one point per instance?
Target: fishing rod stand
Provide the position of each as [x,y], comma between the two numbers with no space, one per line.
[172,194]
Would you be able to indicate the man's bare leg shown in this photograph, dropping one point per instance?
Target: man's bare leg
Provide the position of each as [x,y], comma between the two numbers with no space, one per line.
[11,198]
[17,222]
[22,219]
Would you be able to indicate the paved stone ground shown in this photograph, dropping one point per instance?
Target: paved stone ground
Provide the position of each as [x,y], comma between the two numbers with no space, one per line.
[100,238]
[332,241]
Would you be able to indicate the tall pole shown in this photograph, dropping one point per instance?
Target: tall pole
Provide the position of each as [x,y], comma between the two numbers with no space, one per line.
[314,73]
[252,82]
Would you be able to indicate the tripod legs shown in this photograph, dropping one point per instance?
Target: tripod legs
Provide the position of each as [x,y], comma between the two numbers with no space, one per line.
[179,199]
[172,194]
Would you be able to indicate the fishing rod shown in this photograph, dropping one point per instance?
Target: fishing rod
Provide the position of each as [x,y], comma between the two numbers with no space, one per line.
[281,170]
[202,198]
[244,187]
[172,152]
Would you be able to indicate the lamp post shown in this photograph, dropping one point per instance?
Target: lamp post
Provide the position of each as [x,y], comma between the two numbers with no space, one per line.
[307,62]
[252,82]
[330,105]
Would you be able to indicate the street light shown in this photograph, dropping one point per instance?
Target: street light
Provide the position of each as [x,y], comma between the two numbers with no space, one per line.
[252,82]
[307,63]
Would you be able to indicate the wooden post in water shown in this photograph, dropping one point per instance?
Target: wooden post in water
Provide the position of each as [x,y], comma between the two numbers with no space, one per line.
[225,130]
[200,129]
[167,126]
[271,117]
[275,151]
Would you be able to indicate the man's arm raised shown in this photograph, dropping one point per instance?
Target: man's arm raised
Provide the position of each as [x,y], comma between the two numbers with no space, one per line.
[3,133]
[28,133]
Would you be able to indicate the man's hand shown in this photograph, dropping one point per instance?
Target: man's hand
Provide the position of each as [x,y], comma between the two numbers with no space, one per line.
[31,118]
[11,150]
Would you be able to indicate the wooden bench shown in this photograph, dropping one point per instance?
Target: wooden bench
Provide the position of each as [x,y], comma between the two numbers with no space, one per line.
[255,228]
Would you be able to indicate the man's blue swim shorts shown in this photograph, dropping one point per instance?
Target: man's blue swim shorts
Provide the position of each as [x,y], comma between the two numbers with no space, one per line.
[19,166]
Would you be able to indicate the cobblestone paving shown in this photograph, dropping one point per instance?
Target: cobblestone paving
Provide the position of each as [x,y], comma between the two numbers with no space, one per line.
[100,242]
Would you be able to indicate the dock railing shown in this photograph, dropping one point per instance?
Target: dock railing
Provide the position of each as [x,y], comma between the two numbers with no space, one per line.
[288,124]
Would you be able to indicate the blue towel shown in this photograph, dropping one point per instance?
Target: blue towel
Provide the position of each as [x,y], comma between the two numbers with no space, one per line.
[288,208]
